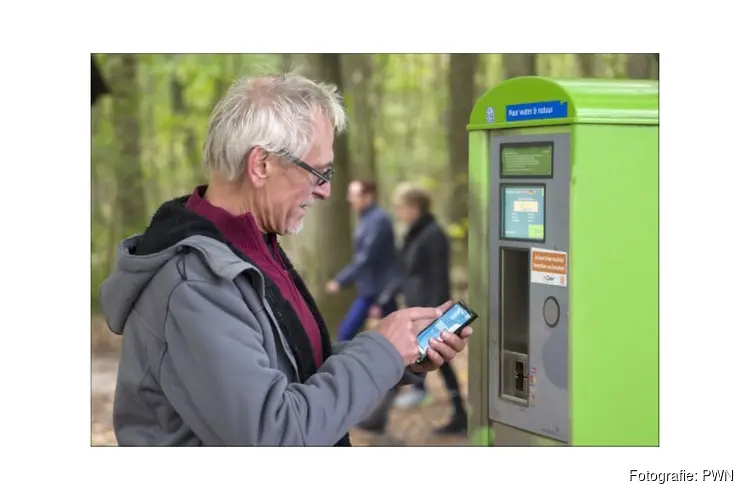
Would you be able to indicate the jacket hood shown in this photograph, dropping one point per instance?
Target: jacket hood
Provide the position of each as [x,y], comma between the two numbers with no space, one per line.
[173,229]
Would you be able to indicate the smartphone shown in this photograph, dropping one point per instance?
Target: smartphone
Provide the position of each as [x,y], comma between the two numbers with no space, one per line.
[455,319]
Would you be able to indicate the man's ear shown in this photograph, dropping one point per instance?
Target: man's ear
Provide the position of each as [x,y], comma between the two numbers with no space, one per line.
[257,166]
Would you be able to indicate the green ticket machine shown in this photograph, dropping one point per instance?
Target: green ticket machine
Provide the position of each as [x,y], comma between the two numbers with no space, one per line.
[563,263]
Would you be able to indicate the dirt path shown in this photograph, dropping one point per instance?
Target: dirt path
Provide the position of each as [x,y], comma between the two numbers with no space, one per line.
[103,376]
[410,427]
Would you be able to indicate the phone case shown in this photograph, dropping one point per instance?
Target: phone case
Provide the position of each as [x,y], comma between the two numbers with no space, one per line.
[472,316]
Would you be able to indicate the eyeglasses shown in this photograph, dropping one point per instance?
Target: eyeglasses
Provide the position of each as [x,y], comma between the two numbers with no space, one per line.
[323,177]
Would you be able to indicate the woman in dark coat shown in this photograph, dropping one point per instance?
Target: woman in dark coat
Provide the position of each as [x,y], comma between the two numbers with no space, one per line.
[424,280]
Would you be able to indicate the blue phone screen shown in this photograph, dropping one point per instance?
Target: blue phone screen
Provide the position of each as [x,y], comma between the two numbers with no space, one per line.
[451,321]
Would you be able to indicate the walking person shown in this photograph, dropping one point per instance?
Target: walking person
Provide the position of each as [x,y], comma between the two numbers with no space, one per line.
[375,260]
[424,279]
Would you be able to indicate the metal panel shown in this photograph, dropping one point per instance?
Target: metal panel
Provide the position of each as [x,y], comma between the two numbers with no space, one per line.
[541,405]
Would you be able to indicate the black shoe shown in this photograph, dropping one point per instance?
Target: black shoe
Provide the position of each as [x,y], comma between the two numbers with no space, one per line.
[457,426]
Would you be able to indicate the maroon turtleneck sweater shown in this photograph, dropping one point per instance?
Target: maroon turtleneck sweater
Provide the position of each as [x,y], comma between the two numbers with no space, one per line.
[243,232]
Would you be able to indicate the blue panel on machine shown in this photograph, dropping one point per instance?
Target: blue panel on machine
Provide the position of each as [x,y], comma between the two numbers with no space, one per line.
[536,111]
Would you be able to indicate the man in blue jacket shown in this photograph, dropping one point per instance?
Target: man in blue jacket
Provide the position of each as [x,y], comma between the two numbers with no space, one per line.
[375,261]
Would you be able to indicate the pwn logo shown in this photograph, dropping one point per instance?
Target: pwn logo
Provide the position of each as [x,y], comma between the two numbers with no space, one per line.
[490,115]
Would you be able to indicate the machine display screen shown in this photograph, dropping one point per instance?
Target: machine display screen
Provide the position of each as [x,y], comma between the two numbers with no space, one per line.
[523,212]
[526,160]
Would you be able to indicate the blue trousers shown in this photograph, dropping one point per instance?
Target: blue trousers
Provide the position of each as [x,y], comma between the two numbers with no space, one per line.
[355,318]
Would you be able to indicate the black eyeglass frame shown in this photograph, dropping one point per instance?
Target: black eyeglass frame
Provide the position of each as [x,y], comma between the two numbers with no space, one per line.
[323,177]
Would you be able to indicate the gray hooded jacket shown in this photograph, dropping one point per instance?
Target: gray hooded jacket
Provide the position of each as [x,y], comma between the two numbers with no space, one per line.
[205,358]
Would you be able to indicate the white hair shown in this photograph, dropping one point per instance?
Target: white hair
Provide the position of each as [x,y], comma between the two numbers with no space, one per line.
[276,113]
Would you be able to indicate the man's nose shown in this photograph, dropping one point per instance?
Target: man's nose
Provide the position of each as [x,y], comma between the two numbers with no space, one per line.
[323,191]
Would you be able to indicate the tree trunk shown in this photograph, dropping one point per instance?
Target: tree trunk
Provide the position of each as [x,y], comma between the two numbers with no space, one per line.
[461,72]
[357,70]
[589,65]
[130,194]
[186,134]
[640,66]
[330,220]
[519,65]
[287,62]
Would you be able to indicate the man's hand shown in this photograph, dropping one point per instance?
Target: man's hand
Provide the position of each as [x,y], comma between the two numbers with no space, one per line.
[401,329]
[444,349]
[333,287]
[376,312]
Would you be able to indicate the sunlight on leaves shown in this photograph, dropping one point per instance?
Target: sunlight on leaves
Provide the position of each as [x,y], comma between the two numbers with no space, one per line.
[457,231]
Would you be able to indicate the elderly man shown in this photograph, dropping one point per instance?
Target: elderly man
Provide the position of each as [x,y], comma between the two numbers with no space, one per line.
[222,343]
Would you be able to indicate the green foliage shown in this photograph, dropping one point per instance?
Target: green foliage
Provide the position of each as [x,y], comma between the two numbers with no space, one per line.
[457,231]
[408,119]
